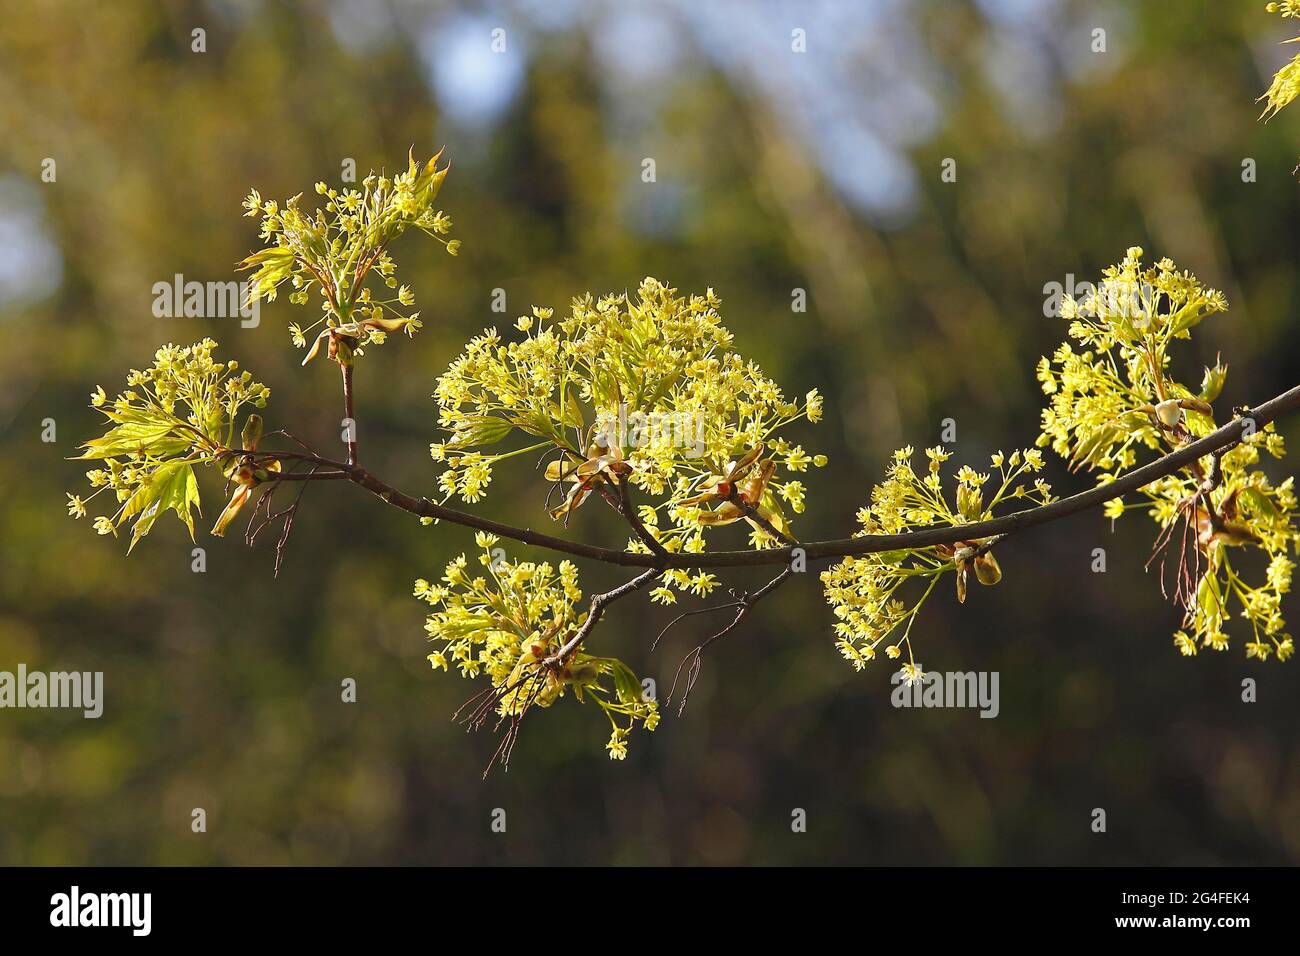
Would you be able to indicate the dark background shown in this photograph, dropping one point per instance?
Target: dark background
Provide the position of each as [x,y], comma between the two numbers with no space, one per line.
[775,171]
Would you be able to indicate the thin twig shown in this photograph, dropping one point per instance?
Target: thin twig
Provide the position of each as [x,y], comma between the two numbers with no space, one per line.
[630,513]
[598,604]
[752,513]
[743,603]
[349,418]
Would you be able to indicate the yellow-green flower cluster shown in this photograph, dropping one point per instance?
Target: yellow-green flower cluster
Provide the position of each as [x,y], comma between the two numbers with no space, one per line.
[1247,511]
[1110,391]
[643,389]
[176,414]
[336,250]
[872,594]
[508,625]
[1286,82]
[1117,395]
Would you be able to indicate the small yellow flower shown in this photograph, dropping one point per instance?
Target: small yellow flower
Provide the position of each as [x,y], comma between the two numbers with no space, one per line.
[617,745]
[1285,648]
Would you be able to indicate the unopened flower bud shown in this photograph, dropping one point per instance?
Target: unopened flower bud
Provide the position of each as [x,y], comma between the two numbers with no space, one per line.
[252,433]
[1169,413]
[987,570]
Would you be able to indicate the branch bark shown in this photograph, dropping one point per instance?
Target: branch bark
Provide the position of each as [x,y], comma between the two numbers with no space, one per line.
[1217,441]
[598,604]
[349,416]
[629,512]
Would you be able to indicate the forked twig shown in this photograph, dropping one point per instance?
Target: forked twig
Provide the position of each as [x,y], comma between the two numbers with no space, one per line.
[743,603]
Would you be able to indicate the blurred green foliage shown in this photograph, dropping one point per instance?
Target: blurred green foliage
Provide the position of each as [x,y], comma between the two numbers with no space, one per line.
[774,171]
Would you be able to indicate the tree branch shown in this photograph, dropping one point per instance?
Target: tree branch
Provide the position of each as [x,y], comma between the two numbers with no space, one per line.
[1219,440]
[628,510]
[751,512]
[598,604]
[742,603]
[349,418]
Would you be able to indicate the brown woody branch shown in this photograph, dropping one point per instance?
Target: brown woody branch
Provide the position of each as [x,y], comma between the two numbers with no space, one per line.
[628,510]
[1221,439]
[598,604]
[742,602]
[349,417]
